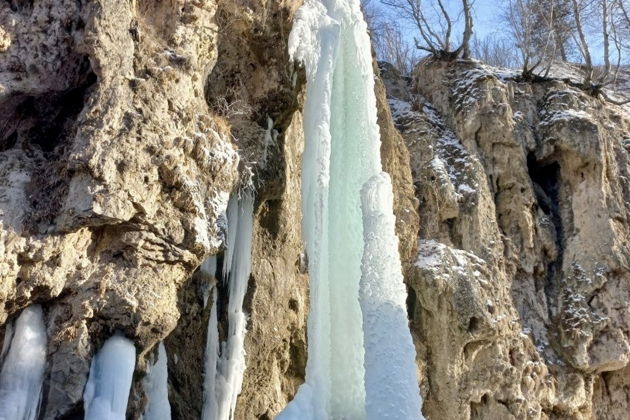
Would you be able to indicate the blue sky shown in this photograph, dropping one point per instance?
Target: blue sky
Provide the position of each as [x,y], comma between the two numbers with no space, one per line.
[488,22]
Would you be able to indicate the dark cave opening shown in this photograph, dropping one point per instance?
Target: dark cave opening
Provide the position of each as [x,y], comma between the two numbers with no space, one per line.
[44,121]
[546,182]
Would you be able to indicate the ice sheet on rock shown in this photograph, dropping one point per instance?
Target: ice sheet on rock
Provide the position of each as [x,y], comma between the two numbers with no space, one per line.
[390,372]
[156,387]
[107,390]
[23,368]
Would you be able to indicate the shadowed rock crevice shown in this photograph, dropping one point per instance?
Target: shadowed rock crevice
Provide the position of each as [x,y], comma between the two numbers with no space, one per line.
[546,183]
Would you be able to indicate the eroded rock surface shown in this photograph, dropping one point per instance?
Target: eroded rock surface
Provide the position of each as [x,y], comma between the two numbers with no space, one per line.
[522,262]
[113,171]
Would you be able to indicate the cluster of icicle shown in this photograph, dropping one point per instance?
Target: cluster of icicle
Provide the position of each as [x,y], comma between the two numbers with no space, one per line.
[225,362]
[361,359]
[109,382]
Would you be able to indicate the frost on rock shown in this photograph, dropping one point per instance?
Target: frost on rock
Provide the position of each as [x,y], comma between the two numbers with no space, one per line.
[107,390]
[341,153]
[23,368]
[390,371]
[225,366]
[156,388]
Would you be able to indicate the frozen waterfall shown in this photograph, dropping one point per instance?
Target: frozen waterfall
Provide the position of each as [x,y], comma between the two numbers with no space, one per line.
[23,368]
[107,390]
[156,387]
[353,284]
[225,365]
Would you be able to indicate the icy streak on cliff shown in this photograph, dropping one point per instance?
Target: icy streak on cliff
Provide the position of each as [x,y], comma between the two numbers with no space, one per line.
[342,151]
[23,368]
[156,387]
[107,390]
[220,393]
[391,385]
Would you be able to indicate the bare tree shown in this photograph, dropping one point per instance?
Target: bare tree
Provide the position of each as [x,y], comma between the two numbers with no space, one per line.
[391,46]
[435,24]
[621,23]
[388,41]
[533,31]
[580,39]
[610,17]
[495,51]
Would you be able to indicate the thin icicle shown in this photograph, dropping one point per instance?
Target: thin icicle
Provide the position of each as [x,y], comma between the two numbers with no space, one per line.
[107,390]
[222,388]
[210,409]
[23,368]
[209,268]
[391,385]
[156,387]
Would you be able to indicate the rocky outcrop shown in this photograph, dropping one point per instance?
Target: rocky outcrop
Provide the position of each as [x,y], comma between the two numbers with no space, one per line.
[522,263]
[113,172]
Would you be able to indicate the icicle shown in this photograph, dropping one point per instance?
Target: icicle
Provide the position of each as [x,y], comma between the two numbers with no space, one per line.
[107,390]
[210,409]
[390,371]
[156,388]
[230,241]
[222,388]
[209,268]
[23,369]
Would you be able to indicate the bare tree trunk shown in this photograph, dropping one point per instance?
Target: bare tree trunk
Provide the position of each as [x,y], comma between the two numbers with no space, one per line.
[606,36]
[449,26]
[582,43]
[468,29]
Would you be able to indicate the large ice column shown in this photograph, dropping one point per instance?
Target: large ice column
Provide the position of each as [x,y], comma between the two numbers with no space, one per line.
[390,371]
[225,366]
[156,387]
[341,153]
[23,368]
[107,390]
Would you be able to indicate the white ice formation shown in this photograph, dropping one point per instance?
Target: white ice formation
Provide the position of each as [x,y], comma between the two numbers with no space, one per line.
[225,364]
[23,366]
[107,390]
[156,387]
[342,153]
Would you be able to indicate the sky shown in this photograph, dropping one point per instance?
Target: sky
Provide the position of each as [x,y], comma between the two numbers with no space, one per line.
[488,23]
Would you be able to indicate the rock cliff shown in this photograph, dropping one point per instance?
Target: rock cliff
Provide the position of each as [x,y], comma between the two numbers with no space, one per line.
[126,126]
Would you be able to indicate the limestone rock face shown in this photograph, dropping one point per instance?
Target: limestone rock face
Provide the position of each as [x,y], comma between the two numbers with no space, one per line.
[113,171]
[522,263]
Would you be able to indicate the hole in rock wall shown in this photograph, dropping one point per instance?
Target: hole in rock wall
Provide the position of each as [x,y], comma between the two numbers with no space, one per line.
[546,186]
[545,178]
[77,413]
[20,5]
[55,115]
